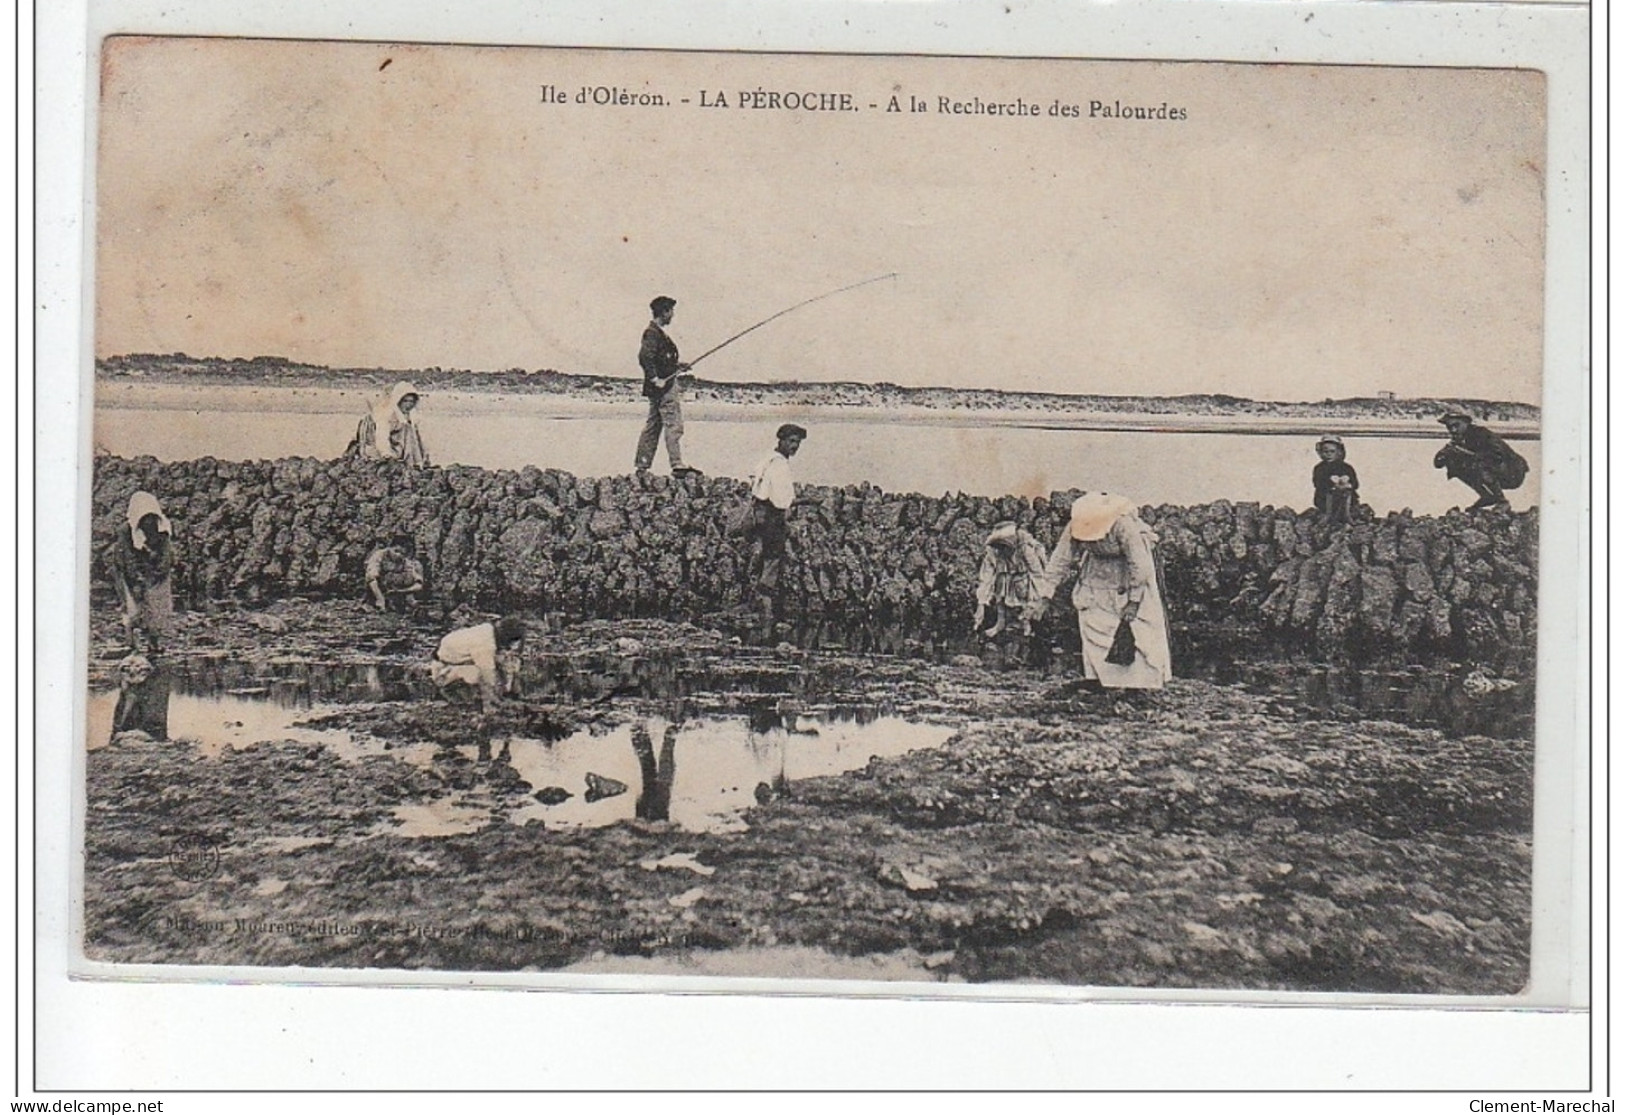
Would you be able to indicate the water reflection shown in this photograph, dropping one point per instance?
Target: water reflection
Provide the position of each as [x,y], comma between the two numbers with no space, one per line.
[300,683]
[143,697]
[725,762]
[654,798]
[1460,702]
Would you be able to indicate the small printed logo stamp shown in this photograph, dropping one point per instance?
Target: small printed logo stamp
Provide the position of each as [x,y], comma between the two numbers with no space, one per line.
[195,857]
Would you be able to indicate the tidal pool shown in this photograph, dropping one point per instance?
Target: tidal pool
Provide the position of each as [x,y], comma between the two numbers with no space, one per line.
[702,774]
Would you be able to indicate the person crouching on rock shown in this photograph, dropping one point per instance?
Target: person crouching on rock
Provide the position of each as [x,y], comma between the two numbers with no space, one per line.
[1012,562]
[1119,603]
[1481,460]
[484,657]
[395,575]
[1336,483]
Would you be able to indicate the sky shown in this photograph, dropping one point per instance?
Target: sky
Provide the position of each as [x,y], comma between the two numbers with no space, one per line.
[1301,233]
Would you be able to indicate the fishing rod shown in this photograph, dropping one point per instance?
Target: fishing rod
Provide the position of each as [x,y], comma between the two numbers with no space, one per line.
[781,313]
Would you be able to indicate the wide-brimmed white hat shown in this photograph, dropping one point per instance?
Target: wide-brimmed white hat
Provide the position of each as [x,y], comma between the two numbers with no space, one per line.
[1093,514]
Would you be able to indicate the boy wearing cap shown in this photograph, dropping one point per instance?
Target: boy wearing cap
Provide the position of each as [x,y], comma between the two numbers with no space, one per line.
[772,491]
[657,356]
[1480,459]
[1335,482]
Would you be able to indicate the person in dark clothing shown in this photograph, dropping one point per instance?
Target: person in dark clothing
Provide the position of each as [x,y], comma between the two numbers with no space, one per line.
[658,358]
[1336,483]
[654,798]
[1481,460]
[143,697]
[140,562]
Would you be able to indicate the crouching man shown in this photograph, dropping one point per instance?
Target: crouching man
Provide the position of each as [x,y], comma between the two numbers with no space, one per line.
[484,657]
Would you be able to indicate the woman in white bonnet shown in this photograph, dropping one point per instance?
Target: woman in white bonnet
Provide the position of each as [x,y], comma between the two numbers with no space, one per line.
[1117,596]
[388,432]
[140,561]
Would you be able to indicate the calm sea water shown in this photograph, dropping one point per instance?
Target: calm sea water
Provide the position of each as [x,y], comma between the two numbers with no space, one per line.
[1152,468]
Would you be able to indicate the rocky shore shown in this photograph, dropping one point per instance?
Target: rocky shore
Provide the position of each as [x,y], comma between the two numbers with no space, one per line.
[1204,837]
[1227,832]
[1455,588]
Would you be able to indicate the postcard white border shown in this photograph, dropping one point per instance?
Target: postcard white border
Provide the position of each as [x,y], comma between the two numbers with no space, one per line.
[103,1034]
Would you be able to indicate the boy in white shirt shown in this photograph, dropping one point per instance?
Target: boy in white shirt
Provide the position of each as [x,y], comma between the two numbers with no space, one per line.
[773,490]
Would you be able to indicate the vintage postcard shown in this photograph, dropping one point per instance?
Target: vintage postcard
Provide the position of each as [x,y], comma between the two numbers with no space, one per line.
[957,522]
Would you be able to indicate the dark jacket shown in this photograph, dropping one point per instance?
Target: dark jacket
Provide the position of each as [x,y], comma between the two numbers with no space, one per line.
[1480,455]
[141,572]
[658,358]
[1324,471]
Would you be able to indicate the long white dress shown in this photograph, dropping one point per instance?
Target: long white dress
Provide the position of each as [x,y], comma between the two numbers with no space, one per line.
[1111,572]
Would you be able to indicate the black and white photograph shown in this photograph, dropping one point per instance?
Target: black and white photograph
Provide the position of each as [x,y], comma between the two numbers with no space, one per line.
[943,521]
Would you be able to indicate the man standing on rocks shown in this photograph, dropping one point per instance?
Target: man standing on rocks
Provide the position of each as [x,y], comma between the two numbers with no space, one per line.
[1481,460]
[772,492]
[661,371]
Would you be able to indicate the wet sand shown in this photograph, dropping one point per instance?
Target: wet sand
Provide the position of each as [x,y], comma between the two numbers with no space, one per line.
[1207,836]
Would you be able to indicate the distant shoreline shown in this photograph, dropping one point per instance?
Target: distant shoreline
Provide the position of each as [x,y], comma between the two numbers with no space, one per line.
[234,398]
[590,394]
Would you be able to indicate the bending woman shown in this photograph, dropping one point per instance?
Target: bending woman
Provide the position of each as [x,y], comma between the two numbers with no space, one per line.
[1117,588]
[140,561]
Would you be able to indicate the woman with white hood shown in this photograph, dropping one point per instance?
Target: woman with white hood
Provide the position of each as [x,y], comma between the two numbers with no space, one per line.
[140,561]
[387,432]
[1119,603]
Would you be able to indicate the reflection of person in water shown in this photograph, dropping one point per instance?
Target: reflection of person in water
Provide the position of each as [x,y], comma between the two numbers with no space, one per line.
[143,697]
[764,719]
[654,799]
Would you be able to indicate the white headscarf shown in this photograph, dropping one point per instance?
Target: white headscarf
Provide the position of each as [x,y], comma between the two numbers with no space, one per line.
[143,504]
[385,412]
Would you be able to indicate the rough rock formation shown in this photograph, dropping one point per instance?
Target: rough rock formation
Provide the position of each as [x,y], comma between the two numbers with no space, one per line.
[1457,586]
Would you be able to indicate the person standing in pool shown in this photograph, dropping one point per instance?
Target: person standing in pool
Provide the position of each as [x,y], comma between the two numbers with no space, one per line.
[662,372]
